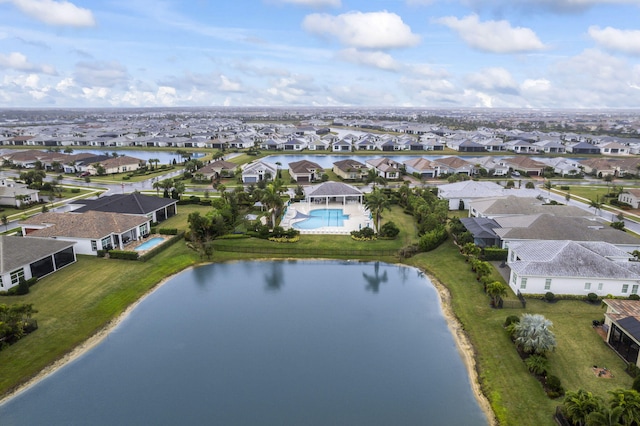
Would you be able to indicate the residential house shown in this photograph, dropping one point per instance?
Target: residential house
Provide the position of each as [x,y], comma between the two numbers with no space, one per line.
[385,167]
[455,165]
[493,166]
[155,208]
[218,169]
[16,194]
[26,258]
[582,148]
[614,148]
[550,146]
[305,171]
[460,194]
[549,227]
[341,146]
[566,267]
[258,171]
[482,230]
[422,167]
[630,196]
[525,165]
[349,169]
[511,205]
[622,323]
[121,164]
[91,230]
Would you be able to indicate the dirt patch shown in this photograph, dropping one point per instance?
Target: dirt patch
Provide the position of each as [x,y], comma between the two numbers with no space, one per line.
[602,372]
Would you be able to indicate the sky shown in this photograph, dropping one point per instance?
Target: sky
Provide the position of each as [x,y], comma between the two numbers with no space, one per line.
[369,53]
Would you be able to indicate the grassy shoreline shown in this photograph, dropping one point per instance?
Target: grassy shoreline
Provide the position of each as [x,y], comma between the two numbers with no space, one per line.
[82,299]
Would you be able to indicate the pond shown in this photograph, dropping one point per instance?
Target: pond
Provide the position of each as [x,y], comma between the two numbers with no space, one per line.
[268,343]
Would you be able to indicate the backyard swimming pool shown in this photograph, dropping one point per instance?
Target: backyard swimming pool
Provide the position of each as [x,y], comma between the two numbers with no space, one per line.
[322,217]
[149,244]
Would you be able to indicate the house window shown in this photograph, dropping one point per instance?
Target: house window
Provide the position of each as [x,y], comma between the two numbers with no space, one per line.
[599,286]
[16,276]
[587,286]
[625,288]
[547,284]
[634,289]
[514,278]
[94,245]
[523,283]
[106,243]
[1,283]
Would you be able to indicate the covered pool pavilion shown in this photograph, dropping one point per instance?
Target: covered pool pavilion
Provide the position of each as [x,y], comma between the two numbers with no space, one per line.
[330,195]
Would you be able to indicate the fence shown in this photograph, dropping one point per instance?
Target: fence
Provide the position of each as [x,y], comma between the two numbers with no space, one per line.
[296,251]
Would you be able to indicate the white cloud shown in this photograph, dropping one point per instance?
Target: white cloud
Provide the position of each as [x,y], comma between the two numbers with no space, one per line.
[19,62]
[101,74]
[313,3]
[226,85]
[373,30]
[53,12]
[493,80]
[375,59]
[627,41]
[541,85]
[493,36]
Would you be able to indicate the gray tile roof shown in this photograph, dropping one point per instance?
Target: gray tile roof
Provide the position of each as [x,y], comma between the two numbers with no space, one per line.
[330,189]
[133,203]
[91,224]
[566,259]
[19,251]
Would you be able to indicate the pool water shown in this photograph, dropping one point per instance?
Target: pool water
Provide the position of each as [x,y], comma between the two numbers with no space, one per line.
[149,244]
[322,217]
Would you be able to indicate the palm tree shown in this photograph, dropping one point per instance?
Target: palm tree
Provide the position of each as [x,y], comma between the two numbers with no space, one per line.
[157,185]
[373,177]
[272,200]
[5,221]
[496,290]
[605,417]
[596,204]
[537,364]
[152,161]
[533,335]
[377,202]
[218,155]
[629,401]
[578,405]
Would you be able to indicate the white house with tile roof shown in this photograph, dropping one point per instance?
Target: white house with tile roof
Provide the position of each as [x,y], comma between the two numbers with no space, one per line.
[572,268]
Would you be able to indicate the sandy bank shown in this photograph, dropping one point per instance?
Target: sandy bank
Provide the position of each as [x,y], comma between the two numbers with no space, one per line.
[464,346]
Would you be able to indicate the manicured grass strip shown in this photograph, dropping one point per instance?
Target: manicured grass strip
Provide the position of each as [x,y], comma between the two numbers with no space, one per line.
[516,397]
[76,302]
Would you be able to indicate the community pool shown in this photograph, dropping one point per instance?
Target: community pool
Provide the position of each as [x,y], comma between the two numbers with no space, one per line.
[322,217]
[149,244]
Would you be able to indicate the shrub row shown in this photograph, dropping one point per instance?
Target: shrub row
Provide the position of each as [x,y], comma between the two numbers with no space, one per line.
[123,254]
[168,231]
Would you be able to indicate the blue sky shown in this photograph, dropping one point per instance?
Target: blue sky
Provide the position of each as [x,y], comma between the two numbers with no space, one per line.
[378,53]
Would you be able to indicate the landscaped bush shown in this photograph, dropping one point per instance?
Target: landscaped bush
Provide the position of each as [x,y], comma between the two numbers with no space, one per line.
[592,297]
[432,239]
[168,231]
[389,230]
[511,319]
[549,296]
[75,190]
[364,234]
[408,251]
[634,297]
[123,254]
[554,387]
[494,253]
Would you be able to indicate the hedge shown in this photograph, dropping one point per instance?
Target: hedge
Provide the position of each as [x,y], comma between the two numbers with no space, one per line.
[168,231]
[123,254]
[494,253]
[160,247]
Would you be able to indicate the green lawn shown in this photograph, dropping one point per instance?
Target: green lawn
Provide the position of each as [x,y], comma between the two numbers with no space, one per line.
[80,299]
[516,397]
[77,301]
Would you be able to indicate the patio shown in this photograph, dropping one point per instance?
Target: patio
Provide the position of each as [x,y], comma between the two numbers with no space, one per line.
[358,217]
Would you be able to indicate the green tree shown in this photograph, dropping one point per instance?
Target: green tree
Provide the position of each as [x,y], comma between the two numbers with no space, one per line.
[537,364]
[272,200]
[596,204]
[533,335]
[5,221]
[578,405]
[496,290]
[629,401]
[605,416]
[377,202]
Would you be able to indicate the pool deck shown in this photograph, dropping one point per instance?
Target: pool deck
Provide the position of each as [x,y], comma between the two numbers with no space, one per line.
[358,217]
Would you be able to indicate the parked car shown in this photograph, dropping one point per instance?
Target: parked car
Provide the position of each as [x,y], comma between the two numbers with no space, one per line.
[515,173]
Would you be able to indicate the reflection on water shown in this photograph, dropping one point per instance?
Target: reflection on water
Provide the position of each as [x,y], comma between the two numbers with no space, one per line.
[214,347]
[374,281]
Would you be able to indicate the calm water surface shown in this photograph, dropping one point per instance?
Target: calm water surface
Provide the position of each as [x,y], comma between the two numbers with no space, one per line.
[268,343]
